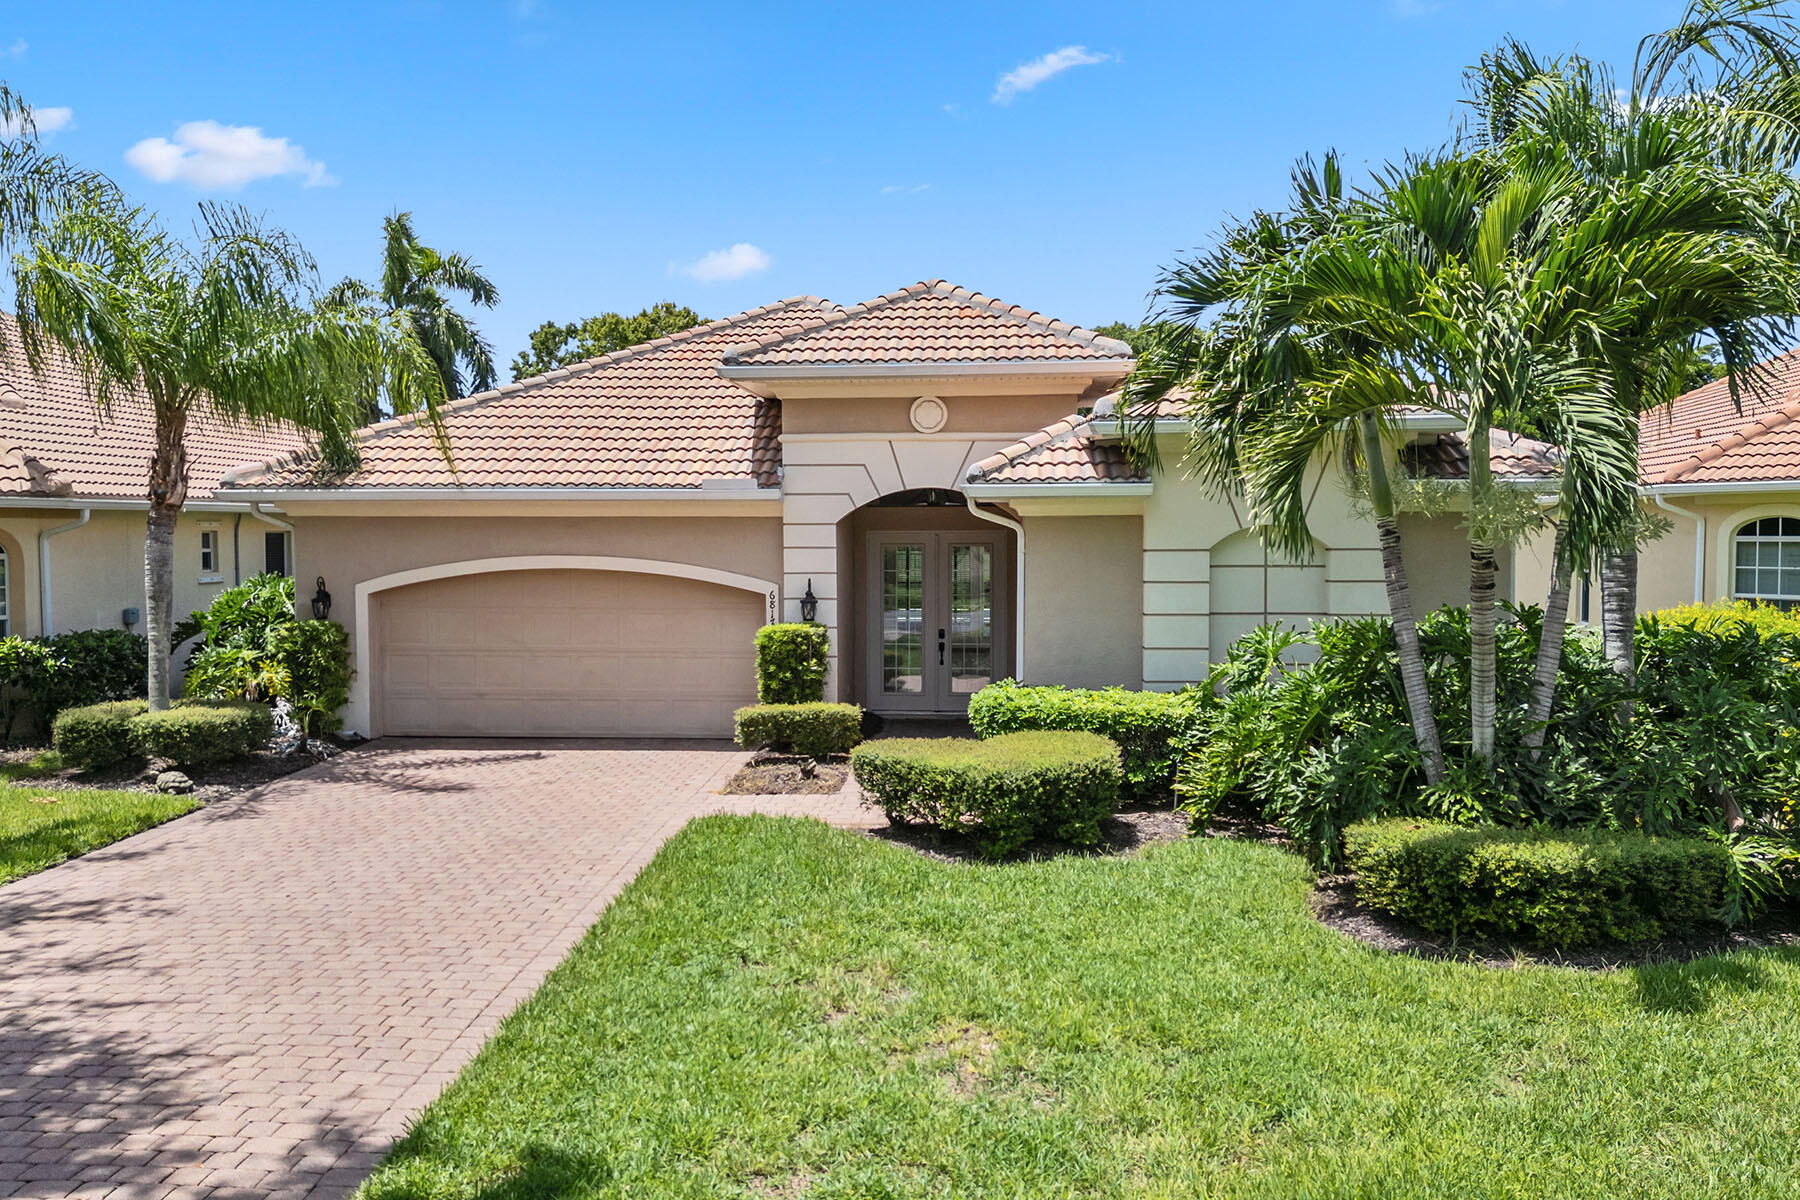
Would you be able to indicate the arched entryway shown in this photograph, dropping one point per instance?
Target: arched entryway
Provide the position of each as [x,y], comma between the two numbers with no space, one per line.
[931,613]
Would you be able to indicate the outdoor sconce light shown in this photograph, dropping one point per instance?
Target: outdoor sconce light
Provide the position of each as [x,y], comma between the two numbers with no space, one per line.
[809,605]
[321,601]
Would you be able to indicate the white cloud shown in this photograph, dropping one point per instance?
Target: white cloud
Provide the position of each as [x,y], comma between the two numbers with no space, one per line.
[44,120]
[207,154]
[901,189]
[722,265]
[17,49]
[1027,76]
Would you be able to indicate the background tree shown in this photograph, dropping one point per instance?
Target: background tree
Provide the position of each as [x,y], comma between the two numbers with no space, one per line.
[224,327]
[554,345]
[414,280]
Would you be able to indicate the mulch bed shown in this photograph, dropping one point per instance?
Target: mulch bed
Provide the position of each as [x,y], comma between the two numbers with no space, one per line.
[211,784]
[1335,905]
[1123,833]
[789,776]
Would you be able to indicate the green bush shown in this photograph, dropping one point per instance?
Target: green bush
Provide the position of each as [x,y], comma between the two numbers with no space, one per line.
[198,735]
[791,660]
[253,647]
[815,730]
[1766,619]
[26,668]
[43,676]
[1002,792]
[315,656]
[96,735]
[1555,888]
[1149,728]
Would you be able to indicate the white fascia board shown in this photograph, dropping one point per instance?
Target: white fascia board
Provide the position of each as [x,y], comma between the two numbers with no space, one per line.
[583,494]
[114,504]
[1109,428]
[1723,489]
[878,370]
[1000,491]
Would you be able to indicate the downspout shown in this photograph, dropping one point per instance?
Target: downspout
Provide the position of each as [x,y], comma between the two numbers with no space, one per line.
[46,609]
[1699,543]
[1019,576]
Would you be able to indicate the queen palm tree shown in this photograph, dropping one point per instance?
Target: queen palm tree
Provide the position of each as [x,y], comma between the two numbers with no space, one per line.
[32,180]
[414,281]
[223,327]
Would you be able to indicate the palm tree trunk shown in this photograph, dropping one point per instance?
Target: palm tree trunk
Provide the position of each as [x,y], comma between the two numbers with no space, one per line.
[1483,585]
[1549,651]
[168,492]
[1618,610]
[1400,605]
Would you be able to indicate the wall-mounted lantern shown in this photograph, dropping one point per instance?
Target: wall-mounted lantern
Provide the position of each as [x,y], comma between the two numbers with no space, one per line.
[809,605]
[321,601]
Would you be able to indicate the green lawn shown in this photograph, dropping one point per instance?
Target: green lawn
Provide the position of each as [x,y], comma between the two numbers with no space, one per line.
[36,835]
[775,1009]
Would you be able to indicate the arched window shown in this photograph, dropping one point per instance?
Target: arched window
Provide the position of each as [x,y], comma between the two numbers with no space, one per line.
[5,594]
[1768,561]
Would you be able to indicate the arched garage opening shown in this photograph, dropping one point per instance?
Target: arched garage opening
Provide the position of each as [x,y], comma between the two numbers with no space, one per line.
[558,647]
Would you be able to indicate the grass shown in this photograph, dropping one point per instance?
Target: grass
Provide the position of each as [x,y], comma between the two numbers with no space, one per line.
[35,834]
[776,1009]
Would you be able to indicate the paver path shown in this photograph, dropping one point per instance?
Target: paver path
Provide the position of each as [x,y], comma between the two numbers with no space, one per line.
[252,1000]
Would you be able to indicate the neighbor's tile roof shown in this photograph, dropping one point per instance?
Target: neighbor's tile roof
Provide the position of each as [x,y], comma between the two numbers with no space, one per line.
[54,441]
[1704,438]
[1066,452]
[1509,456]
[657,415]
[932,321]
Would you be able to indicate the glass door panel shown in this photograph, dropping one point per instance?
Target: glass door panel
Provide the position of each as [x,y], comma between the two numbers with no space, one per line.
[903,619]
[971,625]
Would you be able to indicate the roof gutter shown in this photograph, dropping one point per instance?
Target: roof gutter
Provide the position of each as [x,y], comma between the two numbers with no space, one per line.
[114,504]
[263,496]
[904,370]
[46,604]
[1018,529]
[1699,543]
[1718,489]
[1001,491]
[1108,428]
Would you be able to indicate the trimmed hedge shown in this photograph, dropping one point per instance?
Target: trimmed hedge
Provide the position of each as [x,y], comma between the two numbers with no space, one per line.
[1148,727]
[1002,792]
[198,735]
[1566,888]
[96,735]
[791,660]
[193,733]
[814,730]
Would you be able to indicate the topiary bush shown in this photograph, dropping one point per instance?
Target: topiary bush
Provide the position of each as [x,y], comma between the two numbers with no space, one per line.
[791,661]
[1561,889]
[1002,791]
[200,734]
[1150,728]
[96,735]
[815,730]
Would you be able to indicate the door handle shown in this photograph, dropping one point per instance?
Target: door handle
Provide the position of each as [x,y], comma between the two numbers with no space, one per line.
[940,647]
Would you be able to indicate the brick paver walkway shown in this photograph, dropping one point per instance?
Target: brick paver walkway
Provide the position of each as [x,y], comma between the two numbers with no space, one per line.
[252,1000]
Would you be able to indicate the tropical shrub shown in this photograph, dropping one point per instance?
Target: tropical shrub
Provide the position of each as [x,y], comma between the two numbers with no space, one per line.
[1002,791]
[200,734]
[1764,618]
[1561,889]
[43,676]
[315,658]
[253,647]
[1149,728]
[96,735]
[26,668]
[791,661]
[815,730]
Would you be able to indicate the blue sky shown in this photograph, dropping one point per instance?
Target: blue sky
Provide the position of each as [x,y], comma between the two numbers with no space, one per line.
[592,157]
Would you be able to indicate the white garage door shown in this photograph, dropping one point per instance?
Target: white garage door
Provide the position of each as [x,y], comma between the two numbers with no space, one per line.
[564,654]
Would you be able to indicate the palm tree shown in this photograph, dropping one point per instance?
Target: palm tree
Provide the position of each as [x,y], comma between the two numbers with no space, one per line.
[224,328]
[32,180]
[414,280]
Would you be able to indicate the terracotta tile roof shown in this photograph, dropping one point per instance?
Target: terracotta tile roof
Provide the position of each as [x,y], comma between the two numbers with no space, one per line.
[657,415]
[1509,456]
[1066,452]
[932,321]
[1703,438]
[54,442]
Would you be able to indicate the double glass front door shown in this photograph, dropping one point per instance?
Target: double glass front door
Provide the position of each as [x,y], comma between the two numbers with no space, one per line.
[934,638]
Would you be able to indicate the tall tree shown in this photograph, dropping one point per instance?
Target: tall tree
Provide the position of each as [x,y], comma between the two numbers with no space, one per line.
[554,345]
[33,181]
[415,280]
[222,327]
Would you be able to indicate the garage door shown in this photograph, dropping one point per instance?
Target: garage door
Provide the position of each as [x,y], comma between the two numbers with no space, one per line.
[564,654]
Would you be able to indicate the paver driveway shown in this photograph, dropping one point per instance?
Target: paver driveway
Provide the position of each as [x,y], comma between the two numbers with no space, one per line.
[252,1000]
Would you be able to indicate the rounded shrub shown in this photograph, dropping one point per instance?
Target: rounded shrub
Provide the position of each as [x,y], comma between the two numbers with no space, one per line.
[1567,888]
[815,730]
[96,735]
[200,734]
[1001,792]
[1148,727]
[791,661]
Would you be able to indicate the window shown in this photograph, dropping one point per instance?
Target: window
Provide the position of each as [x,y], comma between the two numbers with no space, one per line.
[275,553]
[209,552]
[5,594]
[1768,562]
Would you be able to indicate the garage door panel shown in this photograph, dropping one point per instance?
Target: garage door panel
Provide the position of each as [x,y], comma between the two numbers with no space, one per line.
[564,653]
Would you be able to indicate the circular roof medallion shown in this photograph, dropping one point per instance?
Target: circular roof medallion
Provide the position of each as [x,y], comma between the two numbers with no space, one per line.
[929,414]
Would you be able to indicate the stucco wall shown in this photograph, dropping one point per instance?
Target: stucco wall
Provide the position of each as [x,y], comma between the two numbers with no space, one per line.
[96,571]
[1666,566]
[1084,601]
[1015,415]
[1436,551]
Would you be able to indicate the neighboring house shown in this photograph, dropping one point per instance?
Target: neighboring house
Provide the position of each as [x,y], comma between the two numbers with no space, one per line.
[72,507]
[924,466]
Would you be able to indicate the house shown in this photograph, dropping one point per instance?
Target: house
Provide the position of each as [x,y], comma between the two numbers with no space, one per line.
[926,471]
[72,505]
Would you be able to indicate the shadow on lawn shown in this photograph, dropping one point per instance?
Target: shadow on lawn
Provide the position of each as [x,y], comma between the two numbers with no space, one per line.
[541,1172]
[1693,988]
